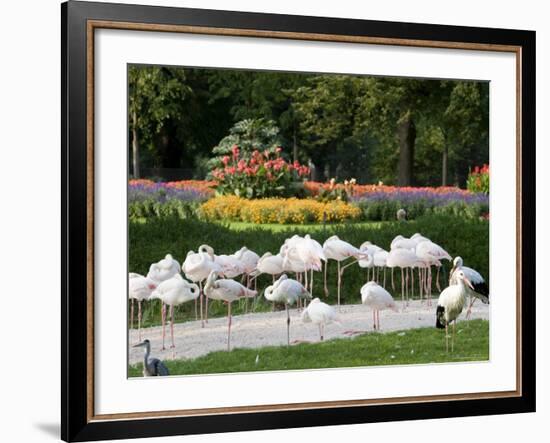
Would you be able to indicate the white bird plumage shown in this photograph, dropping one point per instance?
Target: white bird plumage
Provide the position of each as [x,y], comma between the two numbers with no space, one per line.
[450,305]
[320,314]
[174,292]
[377,298]
[139,288]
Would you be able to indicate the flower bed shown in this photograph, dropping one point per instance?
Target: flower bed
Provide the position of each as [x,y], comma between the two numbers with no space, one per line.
[277,210]
[180,198]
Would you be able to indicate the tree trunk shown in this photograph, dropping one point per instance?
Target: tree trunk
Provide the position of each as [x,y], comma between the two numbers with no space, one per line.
[135,147]
[406,132]
[444,161]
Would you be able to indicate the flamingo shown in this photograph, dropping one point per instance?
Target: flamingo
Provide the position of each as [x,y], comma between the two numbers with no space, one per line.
[249,260]
[319,313]
[377,298]
[174,292]
[380,261]
[339,250]
[286,291]
[269,264]
[164,269]
[404,259]
[226,290]
[481,290]
[139,288]
[432,254]
[197,267]
[312,255]
[400,242]
[450,305]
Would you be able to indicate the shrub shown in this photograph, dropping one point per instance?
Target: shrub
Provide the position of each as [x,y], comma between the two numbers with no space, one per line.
[277,210]
[263,174]
[478,180]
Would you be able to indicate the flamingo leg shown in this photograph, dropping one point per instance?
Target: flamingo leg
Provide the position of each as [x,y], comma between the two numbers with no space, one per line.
[402,288]
[311,283]
[437,280]
[228,326]
[172,326]
[287,325]
[197,309]
[320,332]
[392,283]
[384,285]
[139,320]
[326,287]
[132,314]
[339,282]
[374,319]
[407,285]
[163,324]
[378,320]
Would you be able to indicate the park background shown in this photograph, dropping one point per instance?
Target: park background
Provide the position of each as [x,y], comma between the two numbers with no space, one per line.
[39,420]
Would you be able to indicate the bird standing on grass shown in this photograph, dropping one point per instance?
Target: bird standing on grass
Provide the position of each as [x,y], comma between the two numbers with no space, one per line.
[228,291]
[450,305]
[151,366]
[481,290]
[319,313]
[286,291]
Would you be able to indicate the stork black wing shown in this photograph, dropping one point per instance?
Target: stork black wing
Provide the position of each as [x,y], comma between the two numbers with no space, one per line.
[482,290]
[440,317]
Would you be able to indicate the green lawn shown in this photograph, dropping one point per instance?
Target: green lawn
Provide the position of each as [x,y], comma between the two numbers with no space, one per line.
[413,346]
[311,228]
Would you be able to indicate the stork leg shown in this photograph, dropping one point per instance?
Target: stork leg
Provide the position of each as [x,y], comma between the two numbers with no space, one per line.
[446,337]
[139,320]
[453,337]
[287,325]
[172,326]
[470,304]
[163,324]
[228,326]
[132,314]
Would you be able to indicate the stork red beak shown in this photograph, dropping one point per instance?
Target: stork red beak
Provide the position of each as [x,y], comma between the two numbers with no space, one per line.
[469,283]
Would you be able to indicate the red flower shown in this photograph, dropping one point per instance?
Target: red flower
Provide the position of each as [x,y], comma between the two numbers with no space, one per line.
[235,151]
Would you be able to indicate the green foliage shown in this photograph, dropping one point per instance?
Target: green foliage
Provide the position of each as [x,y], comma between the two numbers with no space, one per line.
[386,210]
[412,346]
[478,180]
[151,239]
[170,208]
[257,174]
[249,135]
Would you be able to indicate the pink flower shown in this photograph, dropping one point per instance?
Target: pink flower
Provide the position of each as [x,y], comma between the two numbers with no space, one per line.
[235,151]
[225,160]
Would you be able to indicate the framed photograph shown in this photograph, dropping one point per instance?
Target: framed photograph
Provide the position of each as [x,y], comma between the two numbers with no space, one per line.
[276,221]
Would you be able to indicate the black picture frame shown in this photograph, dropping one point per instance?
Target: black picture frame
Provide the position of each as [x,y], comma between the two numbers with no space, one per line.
[76,422]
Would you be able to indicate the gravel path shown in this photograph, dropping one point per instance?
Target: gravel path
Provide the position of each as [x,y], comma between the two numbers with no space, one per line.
[269,328]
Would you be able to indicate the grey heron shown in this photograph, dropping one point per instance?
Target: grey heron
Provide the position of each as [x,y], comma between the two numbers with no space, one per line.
[151,366]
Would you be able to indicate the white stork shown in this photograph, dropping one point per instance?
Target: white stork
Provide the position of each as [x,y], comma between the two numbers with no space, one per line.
[481,289]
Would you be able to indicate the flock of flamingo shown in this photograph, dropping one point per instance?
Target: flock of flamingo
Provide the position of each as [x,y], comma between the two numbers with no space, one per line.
[212,277]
